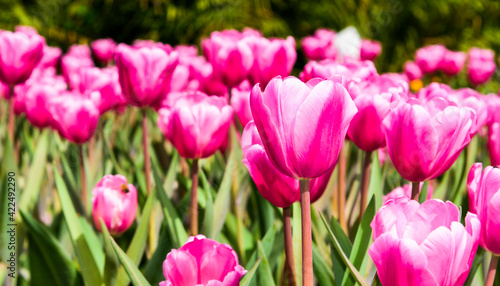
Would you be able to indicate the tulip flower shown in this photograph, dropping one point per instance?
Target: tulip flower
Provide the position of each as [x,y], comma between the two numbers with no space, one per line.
[240,101]
[452,62]
[115,202]
[429,58]
[38,98]
[104,49]
[370,50]
[412,70]
[423,244]
[105,81]
[425,138]
[202,261]
[71,66]
[350,71]
[405,191]
[494,143]
[481,65]
[320,46]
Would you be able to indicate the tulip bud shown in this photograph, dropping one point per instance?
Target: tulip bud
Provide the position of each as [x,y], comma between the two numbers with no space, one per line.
[370,50]
[104,49]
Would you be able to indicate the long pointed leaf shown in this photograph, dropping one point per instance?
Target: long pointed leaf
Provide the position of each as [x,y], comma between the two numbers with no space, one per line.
[134,274]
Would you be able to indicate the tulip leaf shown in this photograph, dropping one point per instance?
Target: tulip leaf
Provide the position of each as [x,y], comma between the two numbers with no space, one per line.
[422,197]
[355,273]
[133,272]
[264,273]
[36,173]
[94,241]
[174,223]
[297,240]
[151,270]
[376,184]
[8,165]
[245,281]
[322,271]
[138,244]
[267,243]
[171,174]
[112,263]
[49,263]
[208,215]
[478,259]
[90,270]
[338,265]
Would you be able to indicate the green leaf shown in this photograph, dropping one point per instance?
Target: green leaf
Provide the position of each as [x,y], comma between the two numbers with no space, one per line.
[112,263]
[478,259]
[92,239]
[36,173]
[265,276]
[423,192]
[376,184]
[133,272]
[338,265]
[171,174]
[322,271]
[208,215]
[297,240]
[90,271]
[344,257]
[8,165]
[267,243]
[245,281]
[49,263]
[151,270]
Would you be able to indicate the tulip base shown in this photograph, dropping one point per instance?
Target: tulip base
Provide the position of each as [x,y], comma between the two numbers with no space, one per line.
[490,278]
[289,275]
[415,190]
[307,262]
[365,182]
[194,198]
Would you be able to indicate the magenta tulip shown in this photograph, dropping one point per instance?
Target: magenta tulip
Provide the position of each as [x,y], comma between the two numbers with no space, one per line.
[104,49]
[38,98]
[452,62]
[19,54]
[370,50]
[145,73]
[115,202]
[302,125]
[429,58]
[484,200]
[195,123]
[50,58]
[104,81]
[28,30]
[320,46]
[481,65]
[202,261]
[467,97]
[240,101]
[350,71]
[423,244]
[425,139]
[412,70]
[71,66]
[405,191]
[494,143]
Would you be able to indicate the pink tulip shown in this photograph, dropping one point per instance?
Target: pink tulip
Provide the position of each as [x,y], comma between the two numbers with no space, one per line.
[350,71]
[467,97]
[71,66]
[195,123]
[412,70]
[115,202]
[405,191]
[50,58]
[370,50]
[302,125]
[277,188]
[145,73]
[484,200]
[104,49]
[320,46]
[272,57]
[75,116]
[481,65]
[429,58]
[423,244]
[425,139]
[240,101]
[202,261]
[79,51]
[38,98]
[104,81]
[19,54]
[452,62]
[28,30]
[230,56]
[494,143]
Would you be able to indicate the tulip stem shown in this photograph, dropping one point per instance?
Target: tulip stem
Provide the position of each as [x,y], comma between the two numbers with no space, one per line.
[341,190]
[83,179]
[194,197]
[490,278]
[307,262]
[11,119]
[365,182]
[147,162]
[289,274]
[415,190]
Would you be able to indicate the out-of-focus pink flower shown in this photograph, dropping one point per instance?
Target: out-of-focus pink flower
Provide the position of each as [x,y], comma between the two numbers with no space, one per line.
[481,65]
[19,54]
[468,97]
[302,125]
[429,58]
[277,188]
[195,123]
[79,51]
[484,200]
[412,70]
[145,73]
[50,58]
[28,30]
[405,191]
[104,49]
[105,82]
[452,62]
[320,46]
[240,101]
[425,139]
[71,66]
[423,244]
[114,201]
[37,98]
[202,261]
[350,71]
[370,50]
[494,143]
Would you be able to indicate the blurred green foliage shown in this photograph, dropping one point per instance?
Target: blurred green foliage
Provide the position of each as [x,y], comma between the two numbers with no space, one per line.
[401,25]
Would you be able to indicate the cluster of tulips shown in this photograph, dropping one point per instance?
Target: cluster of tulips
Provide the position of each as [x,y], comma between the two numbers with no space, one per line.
[291,132]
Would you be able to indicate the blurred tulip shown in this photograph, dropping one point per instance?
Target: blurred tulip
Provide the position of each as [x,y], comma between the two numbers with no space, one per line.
[405,191]
[467,97]
[481,65]
[425,139]
[104,81]
[38,100]
[302,125]
[50,58]
[202,261]
[350,71]
[429,58]
[240,101]
[75,116]
[484,200]
[370,50]
[71,67]
[452,62]
[115,202]
[320,46]
[19,54]
[28,30]
[104,49]
[412,70]
[79,51]
[195,123]
[494,143]
[145,73]
[423,244]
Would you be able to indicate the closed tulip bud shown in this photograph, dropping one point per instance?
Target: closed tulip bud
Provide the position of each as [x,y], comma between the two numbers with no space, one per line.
[104,49]
[19,54]
[484,200]
[481,65]
[320,46]
[79,51]
[429,58]
[302,125]
[405,191]
[494,143]
[115,202]
[370,50]
[425,139]
[195,123]
[202,261]
[423,244]
[453,62]
[412,70]
[145,73]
